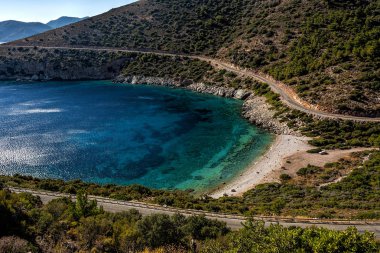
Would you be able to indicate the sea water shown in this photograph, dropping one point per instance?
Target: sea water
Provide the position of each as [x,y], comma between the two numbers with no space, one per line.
[107,133]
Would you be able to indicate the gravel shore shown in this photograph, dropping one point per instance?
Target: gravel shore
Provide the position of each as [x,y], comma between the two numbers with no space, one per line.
[283,147]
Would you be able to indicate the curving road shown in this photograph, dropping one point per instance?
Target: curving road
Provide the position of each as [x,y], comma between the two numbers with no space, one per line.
[288,96]
[232,221]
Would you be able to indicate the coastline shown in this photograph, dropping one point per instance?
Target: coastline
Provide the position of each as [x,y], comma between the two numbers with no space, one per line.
[257,111]
[255,108]
[285,154]
[260,169]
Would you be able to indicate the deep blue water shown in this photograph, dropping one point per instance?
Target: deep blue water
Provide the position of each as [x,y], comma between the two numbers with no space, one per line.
[123,134]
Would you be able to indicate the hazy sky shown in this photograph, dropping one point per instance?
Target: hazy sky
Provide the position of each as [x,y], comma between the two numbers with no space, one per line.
[46,10]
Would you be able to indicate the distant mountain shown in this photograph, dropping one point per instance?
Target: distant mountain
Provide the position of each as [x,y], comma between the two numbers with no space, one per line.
[13,30]
[62,21]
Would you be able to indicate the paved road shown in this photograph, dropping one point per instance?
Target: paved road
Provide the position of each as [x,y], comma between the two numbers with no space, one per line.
[288,96]
[232,221]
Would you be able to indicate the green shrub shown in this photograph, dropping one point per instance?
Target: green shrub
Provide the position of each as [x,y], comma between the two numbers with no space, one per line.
[314,151]
[310,169]
[285,177]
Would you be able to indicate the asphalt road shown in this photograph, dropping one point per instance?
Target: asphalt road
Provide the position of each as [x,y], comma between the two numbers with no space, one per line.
[232,221]
[287,95]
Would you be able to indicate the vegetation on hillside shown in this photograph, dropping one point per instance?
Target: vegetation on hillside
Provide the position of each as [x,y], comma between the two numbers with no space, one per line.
[326,133]
[327,50]
[168,25]
[25,63]
[66,226]
[337,50]
[356,196]
[172,68]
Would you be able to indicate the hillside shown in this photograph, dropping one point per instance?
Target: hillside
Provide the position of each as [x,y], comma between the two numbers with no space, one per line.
[14,30]
[328,51]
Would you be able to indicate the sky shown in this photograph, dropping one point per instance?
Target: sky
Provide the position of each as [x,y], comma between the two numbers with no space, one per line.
[46,10]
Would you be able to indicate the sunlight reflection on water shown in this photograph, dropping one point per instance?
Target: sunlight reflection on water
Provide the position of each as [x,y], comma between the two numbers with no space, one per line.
[122,134]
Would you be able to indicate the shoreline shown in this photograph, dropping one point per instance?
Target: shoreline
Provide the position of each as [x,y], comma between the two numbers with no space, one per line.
[261,168]
[285,154]
[256,111]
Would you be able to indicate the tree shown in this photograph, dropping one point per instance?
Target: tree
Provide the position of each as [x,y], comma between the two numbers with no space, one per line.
[201,228]
[95,229]
[84,207]
[159,230]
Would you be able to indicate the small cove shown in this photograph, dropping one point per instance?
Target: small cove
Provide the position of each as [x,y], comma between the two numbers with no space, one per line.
[108,133]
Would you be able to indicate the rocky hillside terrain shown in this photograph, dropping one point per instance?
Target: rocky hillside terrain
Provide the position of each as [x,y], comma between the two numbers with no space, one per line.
[328,51]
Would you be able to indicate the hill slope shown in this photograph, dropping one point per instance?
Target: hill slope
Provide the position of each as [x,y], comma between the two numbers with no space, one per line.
[328,51]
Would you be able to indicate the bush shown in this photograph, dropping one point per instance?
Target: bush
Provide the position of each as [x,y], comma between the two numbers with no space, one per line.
[310,169]
[314,151]
[285,177]
[13,244]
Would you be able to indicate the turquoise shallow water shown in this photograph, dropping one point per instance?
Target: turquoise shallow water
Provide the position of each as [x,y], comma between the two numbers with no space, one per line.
[123,134]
